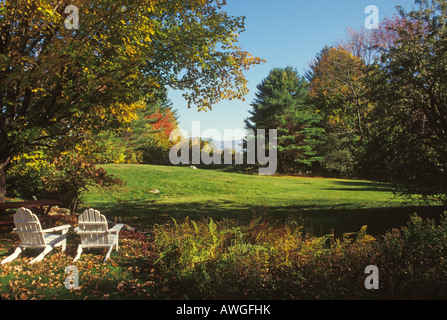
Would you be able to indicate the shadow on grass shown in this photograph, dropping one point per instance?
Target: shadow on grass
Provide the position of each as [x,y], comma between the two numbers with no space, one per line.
[353,185]
[316,220]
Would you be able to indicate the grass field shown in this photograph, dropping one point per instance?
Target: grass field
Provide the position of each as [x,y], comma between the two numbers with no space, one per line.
[320,205]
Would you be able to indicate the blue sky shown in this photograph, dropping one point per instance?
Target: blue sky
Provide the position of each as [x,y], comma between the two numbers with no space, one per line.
[284,33]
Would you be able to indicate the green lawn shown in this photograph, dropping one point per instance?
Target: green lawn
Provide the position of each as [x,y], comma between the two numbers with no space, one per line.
[319,204]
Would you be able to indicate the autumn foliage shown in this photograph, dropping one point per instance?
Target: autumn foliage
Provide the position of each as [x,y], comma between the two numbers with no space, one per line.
[60,84]
[59,176]
[164,124]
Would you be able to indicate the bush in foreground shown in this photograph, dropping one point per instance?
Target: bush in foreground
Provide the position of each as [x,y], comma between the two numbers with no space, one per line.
[267,261]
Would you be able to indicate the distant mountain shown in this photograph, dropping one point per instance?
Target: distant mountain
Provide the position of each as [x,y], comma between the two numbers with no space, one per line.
[230,144]
[223,144]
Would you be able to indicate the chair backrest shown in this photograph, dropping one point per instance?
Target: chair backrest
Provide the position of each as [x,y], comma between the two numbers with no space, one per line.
[28,228]
[93,228]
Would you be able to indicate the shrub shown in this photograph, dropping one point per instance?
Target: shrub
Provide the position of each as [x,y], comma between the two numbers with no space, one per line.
[267,260]
[339,155]
[262,260]
[154,152]
[25,176]
[58,176]
[413,259]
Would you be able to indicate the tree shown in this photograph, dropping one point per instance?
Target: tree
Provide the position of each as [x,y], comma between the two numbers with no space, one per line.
[337,89]
[411,87]
[155,148]
[361,43]
[59,84]
[342,87]
[281,103]
[145,140]
[370,44]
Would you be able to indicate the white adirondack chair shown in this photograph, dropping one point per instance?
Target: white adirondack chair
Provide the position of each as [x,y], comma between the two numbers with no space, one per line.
[95,233]
[31,235]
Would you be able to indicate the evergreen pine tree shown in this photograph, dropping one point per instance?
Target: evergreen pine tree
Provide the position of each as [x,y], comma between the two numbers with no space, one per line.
[281,103]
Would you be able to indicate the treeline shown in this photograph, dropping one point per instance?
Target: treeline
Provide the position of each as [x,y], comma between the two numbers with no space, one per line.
[144,140]
[372,106]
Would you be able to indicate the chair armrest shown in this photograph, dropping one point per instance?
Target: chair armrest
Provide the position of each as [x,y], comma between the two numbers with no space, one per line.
[76,229]
[116,228]
[57,229]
